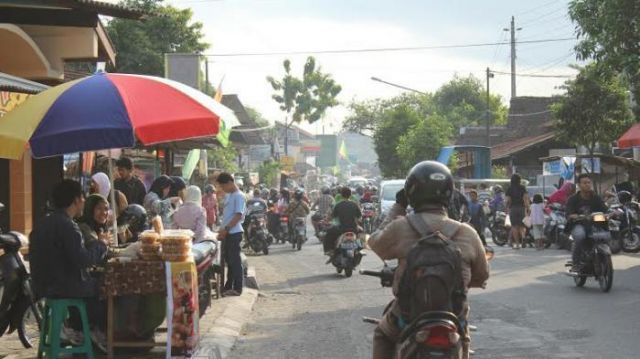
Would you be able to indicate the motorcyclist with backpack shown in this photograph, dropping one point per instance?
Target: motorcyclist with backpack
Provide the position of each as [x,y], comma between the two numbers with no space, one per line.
[428,190]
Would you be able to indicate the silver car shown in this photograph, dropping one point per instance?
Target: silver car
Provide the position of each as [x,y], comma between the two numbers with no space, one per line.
[388,190]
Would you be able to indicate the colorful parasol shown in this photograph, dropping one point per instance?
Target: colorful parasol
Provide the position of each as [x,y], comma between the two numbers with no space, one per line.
[631,138]
[108,110]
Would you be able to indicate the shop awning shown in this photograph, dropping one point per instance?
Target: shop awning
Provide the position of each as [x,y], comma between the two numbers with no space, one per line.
[16,84]
[631,138]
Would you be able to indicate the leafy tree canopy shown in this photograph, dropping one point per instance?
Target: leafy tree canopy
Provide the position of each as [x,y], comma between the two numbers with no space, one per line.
[141,45]
[594,109]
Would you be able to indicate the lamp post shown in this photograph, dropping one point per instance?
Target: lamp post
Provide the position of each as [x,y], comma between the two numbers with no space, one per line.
[373,78]
[489,76]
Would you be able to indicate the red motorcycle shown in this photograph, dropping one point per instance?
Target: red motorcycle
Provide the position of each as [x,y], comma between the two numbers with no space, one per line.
[368,217]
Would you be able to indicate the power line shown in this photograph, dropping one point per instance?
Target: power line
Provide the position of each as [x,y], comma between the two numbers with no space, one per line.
[529,114]
[383,49]
[534,9]
[531,75]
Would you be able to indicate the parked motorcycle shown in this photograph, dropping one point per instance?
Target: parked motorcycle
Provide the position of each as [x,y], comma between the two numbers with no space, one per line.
[596,258]
[615,228]
[299,234]
[20,309]
[368,217]
[433,334]
[627,214]
[205,255]
[348,253]
[499,231]
[554,229]
[258,237]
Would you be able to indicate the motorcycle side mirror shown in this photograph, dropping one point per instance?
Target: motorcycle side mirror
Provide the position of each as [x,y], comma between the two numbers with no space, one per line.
[489,253]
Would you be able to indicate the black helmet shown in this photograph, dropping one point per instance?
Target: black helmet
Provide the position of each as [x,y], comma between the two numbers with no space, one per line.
[429,182]
[498,189]
[298,194]
[135,217]
[624,197]
[326,190]
[209,188]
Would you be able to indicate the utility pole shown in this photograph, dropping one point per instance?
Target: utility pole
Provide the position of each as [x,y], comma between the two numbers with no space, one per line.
[489,76]
[512,29]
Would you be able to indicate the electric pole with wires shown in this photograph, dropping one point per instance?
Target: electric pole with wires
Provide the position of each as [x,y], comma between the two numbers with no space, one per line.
[513,30]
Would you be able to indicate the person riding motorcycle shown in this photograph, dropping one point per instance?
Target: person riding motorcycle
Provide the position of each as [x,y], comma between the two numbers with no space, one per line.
[428,190]
[348,214]
[297,208]
[497,202]
[585,202]
[323,206]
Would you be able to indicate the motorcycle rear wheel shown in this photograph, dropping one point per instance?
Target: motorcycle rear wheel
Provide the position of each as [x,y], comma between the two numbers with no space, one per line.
[29,329]
[631,241]
[339,270]
[580,280]
[606,274]
[498,237]
[299,243]
[616,245]
[265,251]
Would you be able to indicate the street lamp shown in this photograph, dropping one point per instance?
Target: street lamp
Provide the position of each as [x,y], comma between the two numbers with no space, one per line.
[396,85]
[490,75]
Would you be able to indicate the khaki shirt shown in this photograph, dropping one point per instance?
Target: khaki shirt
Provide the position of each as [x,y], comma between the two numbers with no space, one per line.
[396,237]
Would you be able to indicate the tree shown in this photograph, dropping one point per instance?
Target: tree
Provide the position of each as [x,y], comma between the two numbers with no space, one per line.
[141,45]
[423,140]
[224,158]
[610,34]
[366,115]
[305,99]
[463,102]
[395,123]
[268,172]
[594,109]
[256,116]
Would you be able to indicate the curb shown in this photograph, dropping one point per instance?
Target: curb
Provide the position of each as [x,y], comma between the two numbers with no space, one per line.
[217,342]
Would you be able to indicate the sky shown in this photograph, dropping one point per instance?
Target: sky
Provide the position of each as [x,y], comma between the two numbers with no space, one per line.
[258,26]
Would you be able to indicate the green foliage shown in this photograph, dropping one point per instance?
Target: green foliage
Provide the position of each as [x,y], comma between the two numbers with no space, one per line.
[499,172]
[366,115]
[141,45]
[269,172]
[463,102]
[306,99]
[610,34]
[224,158]
[257,116]
[594,109]
[395,123]
[423,140]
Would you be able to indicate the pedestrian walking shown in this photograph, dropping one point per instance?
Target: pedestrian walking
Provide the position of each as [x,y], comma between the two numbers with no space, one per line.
[210,204]
[537,220]
[478,217]
[231,233]
[518,206]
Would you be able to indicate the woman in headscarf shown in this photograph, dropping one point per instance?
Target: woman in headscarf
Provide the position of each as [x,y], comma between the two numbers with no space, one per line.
[562,195]
[157,201]
[100,184]
[191,215]
[93,223]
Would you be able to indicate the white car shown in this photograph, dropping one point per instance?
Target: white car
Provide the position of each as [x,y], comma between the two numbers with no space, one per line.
[388,190]
[354,182]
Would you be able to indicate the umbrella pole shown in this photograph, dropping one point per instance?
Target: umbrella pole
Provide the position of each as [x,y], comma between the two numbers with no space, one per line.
[113,200]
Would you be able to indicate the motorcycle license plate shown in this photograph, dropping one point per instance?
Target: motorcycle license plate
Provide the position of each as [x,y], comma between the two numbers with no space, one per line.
[350,253]
[349,245]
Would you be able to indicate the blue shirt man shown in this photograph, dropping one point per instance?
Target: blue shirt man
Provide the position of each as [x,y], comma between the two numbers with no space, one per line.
[231,233]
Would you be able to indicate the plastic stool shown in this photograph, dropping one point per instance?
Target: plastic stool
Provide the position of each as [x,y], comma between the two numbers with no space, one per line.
[55,313]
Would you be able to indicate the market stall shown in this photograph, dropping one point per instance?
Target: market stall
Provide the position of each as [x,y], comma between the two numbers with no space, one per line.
[113,111]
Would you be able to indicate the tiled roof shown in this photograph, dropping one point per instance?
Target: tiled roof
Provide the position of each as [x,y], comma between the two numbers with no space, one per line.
[506,149]
[100,7]
[233,102]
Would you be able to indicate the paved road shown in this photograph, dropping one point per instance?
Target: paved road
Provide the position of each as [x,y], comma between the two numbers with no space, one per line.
[529,310]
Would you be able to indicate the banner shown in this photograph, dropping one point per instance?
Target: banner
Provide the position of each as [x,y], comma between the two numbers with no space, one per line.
[182,309]
[190,164]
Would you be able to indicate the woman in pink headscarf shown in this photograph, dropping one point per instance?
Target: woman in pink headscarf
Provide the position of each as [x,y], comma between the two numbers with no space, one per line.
[562,195]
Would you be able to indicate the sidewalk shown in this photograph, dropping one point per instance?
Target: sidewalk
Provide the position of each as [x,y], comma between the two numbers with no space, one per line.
[219,329]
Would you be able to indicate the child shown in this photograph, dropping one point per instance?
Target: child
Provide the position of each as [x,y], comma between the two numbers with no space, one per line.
[537,220]
[478,217]
[210,204]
